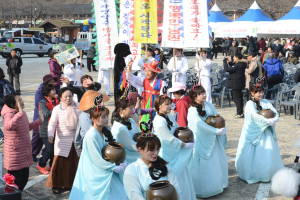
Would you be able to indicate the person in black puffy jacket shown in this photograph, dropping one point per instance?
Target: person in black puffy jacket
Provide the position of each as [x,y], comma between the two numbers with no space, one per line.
[236,80]
[297,76]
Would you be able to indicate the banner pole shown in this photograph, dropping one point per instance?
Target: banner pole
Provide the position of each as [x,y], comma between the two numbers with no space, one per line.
[174,61]
[198,65]
[146,50]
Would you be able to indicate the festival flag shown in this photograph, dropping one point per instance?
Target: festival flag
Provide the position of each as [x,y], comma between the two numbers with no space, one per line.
[195,23]
[127,31]
[107,31]
[173,24]
[145,21]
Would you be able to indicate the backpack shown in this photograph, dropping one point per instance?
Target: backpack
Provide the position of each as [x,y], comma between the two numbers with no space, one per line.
[6,90]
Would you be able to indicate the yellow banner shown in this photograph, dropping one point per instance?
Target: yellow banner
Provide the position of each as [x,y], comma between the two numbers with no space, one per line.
[145,21]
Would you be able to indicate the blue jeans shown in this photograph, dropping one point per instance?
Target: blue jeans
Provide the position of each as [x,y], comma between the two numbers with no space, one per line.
[208,53]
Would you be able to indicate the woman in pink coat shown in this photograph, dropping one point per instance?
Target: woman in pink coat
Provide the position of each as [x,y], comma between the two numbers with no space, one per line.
[17,144]
[63,121]
[55,70]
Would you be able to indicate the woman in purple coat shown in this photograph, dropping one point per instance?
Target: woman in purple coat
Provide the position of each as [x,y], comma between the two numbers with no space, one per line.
[37,142]
[55,70]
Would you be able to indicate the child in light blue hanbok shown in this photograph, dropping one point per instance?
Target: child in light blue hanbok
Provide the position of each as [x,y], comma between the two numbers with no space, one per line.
[97,178]
[209,163]
[148,169]
[124,128]
[258,156]
[173,150]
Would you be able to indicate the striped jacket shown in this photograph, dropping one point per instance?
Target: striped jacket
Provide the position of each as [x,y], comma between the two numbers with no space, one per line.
[64,137]
[17,144]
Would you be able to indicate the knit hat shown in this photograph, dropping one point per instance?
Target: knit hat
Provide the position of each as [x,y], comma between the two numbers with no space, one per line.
[133,96]
[47,78]
[87,100]
[291,52]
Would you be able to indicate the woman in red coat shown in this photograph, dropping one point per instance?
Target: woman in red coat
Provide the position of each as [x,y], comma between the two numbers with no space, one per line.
[55,70]
[17,144]
[182,102]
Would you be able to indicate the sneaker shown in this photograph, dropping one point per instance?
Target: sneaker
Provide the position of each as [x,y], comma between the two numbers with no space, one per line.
[42,170]
[238,116]
[1,140]
[49,169]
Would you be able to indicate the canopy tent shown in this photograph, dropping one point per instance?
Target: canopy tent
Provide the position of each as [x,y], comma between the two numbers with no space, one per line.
[288,25]
[246,24]
[217,18]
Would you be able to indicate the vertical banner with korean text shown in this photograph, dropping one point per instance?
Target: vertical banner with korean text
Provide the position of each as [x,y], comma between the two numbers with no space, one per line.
[145,21]
[107,31]
[195,23]
[172,24]
[127,31]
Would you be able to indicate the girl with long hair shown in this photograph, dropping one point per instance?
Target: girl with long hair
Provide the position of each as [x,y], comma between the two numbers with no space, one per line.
[173,150]
[97,178]
[124,128]
[148,169]
[258,156]
[209,157]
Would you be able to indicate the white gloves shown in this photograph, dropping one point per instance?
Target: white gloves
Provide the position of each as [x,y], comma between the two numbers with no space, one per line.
[120,168]
[189,145]
[197,56]
[272,121]
[222,131]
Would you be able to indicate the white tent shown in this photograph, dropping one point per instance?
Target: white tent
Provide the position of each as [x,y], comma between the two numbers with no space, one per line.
[217,18]
[245,25]
[288,25]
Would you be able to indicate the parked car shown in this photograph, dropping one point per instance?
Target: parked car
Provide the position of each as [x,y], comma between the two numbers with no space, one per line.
[26,45]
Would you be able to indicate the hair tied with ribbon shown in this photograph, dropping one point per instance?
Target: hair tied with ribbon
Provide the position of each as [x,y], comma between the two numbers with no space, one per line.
[195,82]
[98,102]
[165,91]
[9,180]
[259,81]
[146,129]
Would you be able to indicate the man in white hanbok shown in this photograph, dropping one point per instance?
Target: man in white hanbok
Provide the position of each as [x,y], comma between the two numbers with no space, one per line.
[69,72]
[203,70]
[180,68]
[146,59]
[104,78]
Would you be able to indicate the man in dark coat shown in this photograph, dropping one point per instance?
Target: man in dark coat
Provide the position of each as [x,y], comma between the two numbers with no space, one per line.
[121,50]
[236,80]
[252,45]
[14,64]
[215,48]
[277,47]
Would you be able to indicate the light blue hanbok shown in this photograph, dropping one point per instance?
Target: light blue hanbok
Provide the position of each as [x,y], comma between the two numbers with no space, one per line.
[95,178]
[178,157]
[258,156]
[137,180]
[209,164]
[125,137]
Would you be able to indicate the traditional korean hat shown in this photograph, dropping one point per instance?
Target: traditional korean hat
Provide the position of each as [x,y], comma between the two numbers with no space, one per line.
[88,100]
[153,66]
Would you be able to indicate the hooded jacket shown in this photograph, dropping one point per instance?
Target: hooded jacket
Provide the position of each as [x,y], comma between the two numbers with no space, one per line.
[236,78]
[55,70]
[273,67]
[17,145]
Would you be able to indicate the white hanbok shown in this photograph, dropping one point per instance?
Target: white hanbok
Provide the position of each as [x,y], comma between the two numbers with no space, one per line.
[71,75]
[137,180]
[104,78]
[141,72]
[181,67]
[204,71]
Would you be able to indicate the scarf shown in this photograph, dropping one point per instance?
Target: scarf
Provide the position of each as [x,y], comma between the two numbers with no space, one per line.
[169,122]
[50,106]
[118,118]
[72,118]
